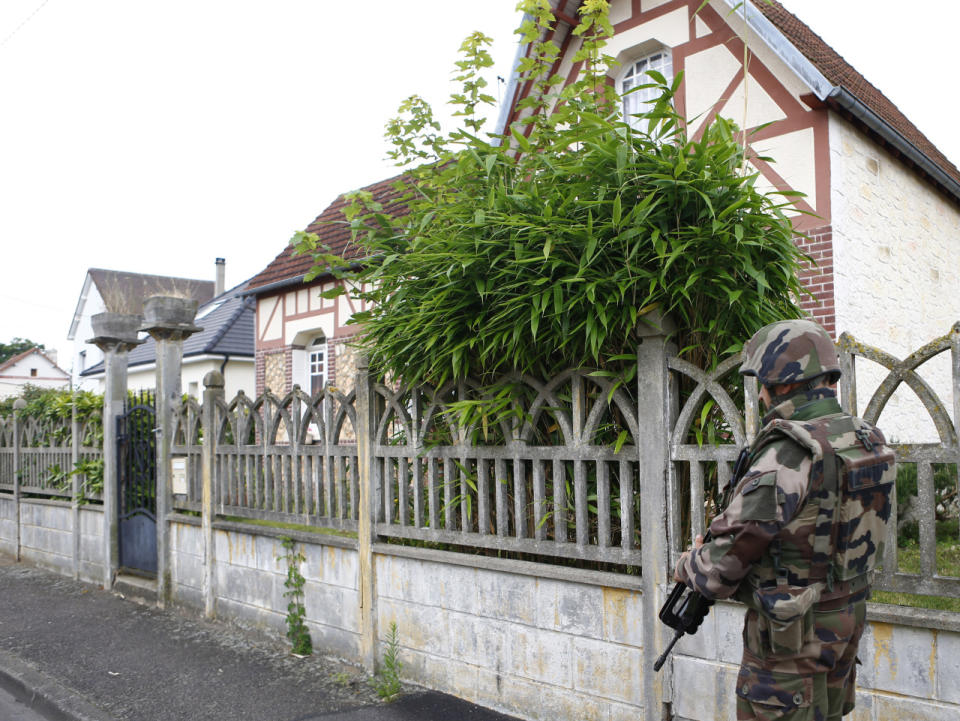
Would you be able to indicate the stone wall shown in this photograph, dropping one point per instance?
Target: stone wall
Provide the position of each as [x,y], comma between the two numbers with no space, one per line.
[537,647]
[910,663]
[8,528]
[249,582]
[891,221]
[47,537]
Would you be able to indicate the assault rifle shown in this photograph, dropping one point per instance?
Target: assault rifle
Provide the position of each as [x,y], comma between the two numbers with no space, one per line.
[685,609]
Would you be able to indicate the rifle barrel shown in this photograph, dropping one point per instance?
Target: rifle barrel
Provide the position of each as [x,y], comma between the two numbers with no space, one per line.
[663,657]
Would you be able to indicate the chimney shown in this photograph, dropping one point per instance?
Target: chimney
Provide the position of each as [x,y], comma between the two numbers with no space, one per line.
[220,285]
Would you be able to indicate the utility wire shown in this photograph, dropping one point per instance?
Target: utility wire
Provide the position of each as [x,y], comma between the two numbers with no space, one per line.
[28,19]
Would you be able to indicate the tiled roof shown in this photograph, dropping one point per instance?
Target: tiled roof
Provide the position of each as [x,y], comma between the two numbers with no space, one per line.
[839,72]
[227,322]
[332,232]
[124,292]
[10,362]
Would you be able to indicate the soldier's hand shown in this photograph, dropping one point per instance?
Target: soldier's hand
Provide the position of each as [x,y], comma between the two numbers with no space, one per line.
[697,543]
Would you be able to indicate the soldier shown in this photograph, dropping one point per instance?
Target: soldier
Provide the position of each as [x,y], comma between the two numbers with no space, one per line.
[800,533]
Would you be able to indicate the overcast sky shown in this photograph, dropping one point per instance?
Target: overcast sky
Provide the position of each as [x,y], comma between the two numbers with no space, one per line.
[156,136]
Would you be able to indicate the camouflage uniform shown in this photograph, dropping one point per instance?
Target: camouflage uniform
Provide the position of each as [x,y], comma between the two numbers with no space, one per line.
[799,535]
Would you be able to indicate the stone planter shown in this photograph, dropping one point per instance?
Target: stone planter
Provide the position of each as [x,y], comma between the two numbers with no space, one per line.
[162,312]
[121,327]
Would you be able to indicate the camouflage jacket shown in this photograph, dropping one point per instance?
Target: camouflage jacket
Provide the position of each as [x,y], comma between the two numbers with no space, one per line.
[767,532]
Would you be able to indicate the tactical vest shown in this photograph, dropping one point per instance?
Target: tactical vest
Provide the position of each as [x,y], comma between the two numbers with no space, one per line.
[847,506]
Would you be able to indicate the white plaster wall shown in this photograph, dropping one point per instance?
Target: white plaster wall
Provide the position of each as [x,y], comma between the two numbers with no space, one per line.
[907,671]
[535,648]
[84,333]
[237,375]
[897,268]
[249,587]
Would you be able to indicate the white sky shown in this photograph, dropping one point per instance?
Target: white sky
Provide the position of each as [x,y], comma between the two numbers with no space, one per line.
[155,136]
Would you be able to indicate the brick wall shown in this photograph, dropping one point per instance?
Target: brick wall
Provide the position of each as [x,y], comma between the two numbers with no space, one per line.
[817,278]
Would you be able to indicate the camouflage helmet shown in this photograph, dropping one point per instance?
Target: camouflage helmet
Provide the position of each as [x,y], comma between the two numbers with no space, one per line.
[790,351]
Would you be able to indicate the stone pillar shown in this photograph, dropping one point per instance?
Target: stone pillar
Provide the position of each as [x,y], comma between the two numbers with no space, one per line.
[367,516]
[212,396]
[116,336]
[169,321]
[18,406]
[656,398]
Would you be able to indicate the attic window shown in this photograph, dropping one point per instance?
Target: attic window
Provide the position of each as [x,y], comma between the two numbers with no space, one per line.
[33,372]
[635,75]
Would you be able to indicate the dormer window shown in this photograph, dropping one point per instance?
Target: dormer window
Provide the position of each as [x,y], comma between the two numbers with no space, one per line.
[635,75]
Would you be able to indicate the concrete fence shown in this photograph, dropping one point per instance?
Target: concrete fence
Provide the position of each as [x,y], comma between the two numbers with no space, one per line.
[416,521]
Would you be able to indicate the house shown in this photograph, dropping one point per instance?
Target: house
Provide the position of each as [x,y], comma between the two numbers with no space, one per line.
[881,205]
[34,367]
[124,292]
[225,344]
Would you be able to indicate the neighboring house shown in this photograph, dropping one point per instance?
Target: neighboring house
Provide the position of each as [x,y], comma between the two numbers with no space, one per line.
[35,367]
[302,338]
[882,204]
[225,344]
[122,292]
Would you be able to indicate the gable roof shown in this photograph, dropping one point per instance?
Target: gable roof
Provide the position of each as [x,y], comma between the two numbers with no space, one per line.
[227,323]
[831,78]
[124,292]
[10,362]
[853,94]
[288,268]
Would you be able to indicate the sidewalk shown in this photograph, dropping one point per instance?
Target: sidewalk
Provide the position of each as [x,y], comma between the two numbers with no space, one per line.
[83,654]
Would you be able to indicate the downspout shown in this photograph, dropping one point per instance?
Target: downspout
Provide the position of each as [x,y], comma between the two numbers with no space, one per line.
[226,359]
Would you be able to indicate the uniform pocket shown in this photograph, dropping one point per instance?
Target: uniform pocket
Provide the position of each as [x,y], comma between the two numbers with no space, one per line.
[772,695]
[786,616]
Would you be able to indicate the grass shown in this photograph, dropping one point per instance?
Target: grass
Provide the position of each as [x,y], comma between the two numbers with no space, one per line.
[948,564]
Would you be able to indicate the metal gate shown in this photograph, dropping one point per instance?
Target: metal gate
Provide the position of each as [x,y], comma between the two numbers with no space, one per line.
[137,466]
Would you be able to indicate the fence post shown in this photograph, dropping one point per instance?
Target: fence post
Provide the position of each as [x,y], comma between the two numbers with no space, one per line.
[212,394]
[77,486]
[18,406]
[115,336]
[367,514]
[169,321]
[654,414]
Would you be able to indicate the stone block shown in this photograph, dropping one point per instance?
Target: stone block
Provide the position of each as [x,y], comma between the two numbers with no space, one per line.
[508,694]
[481,641]
[332,565]
[91,522]
[507,596]
[91,549]
[186,540]
[419,628]
[332,606]
[913,709]
[390,578]
[260,617]
[265,551]
[462,680]
[91,572]
[338,642]
[187,570]
[570,607]
[607,670]
[948,667]
[704,689]
[540,655]
[247,586]
[560,703]
[728,622]
[623,712]
[863,711]
[423,668]
[187,595]
[623,616]
[451,587]
[898,659]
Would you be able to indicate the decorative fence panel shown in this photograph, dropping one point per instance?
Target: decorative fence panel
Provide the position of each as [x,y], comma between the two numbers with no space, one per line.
[292,459]
[186,450]
[48,461]
[550,478]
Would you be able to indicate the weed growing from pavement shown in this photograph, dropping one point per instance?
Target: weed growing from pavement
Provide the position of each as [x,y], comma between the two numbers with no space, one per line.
[296,611]
[387,681]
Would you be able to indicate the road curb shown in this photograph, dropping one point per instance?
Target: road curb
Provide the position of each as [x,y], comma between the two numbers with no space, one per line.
[42,693]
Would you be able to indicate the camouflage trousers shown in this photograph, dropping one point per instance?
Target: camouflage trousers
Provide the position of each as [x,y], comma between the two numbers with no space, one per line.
[801,674]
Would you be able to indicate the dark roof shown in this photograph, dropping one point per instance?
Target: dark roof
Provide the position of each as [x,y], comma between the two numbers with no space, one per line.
[228,329]
[333,232]
[840,73]
[124,292]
